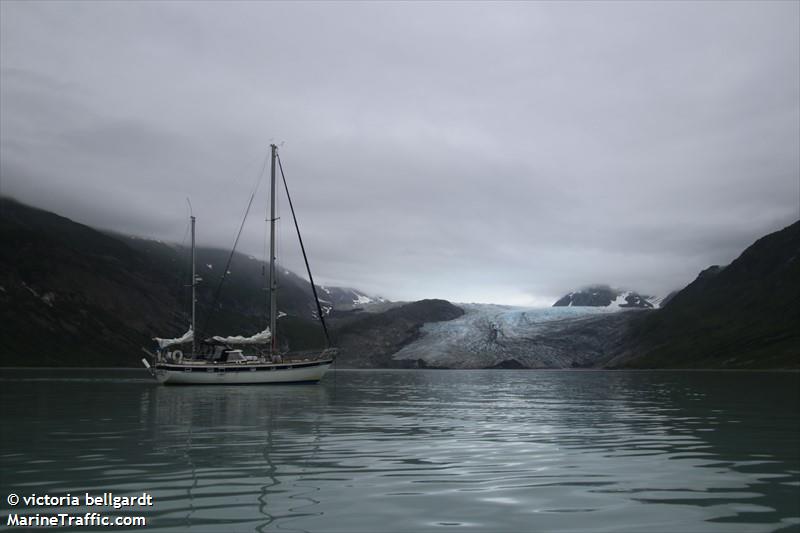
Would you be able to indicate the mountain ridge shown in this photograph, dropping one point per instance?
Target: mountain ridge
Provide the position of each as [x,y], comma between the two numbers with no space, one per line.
[742,315]
[605,296]
[72,295]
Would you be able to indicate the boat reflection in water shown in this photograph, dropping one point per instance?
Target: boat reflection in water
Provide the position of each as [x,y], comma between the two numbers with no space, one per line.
[235,456]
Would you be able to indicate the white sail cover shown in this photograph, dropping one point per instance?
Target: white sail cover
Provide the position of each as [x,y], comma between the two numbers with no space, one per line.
[258,338]
[186,337]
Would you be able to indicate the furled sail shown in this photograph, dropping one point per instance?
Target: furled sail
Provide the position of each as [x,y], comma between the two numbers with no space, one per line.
[186,337]
[259,338]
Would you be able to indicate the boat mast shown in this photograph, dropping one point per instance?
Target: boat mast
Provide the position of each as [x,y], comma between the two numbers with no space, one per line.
[194,285]
[273,281]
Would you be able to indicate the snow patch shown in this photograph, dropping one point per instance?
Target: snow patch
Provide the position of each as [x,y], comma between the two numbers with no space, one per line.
[30,289]
[49,298]
[361,299]
[620,300]
[655,300]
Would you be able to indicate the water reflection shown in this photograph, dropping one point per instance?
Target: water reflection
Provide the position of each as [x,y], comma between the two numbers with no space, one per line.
[401,451]
[237,445]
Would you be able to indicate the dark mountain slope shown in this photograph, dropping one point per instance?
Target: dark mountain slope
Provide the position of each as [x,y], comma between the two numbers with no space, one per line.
[244,289]
[744,315]
[370,340]
[74,296]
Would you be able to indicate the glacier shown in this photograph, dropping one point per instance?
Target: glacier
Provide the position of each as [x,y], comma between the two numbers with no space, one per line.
[497,336]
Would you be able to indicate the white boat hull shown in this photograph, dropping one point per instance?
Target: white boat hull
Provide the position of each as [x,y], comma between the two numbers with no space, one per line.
[240,374]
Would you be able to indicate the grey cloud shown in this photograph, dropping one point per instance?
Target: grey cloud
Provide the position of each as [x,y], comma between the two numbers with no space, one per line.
[473,151]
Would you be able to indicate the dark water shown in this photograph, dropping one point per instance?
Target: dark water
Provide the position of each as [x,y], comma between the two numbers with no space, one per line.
[418,450]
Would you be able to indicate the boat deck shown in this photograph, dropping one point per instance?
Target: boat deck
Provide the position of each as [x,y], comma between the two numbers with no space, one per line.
[211,366]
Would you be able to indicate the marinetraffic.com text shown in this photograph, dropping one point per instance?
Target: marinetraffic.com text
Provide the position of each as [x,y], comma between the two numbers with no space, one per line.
[85,510]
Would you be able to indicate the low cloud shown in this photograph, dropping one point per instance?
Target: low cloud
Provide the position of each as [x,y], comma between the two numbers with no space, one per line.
[471,151]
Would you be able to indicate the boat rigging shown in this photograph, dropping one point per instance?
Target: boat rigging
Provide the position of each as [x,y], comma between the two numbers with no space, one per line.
[239,359]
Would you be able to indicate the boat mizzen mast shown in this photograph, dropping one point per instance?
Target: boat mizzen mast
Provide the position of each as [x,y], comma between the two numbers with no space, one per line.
[273,280]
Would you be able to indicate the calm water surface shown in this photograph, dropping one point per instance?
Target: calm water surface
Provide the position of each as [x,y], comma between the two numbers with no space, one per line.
[417,450]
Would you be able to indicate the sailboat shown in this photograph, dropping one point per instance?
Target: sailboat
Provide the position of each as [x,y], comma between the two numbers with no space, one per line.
[239,359]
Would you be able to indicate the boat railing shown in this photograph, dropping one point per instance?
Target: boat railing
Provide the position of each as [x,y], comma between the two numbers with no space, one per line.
[309,355]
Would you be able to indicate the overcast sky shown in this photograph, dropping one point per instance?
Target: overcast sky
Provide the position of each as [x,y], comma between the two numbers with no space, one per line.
[473,151]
